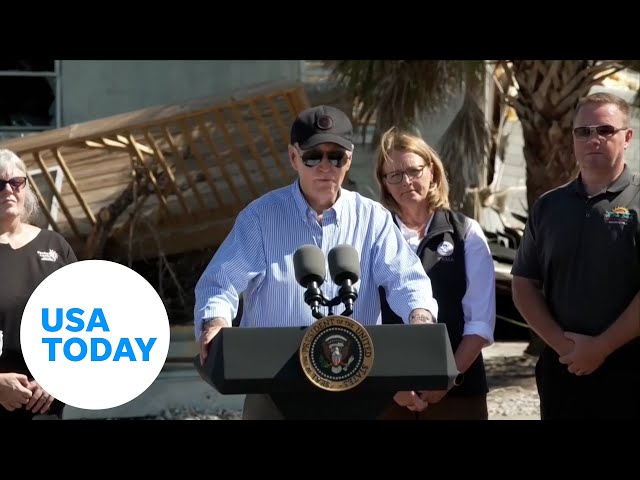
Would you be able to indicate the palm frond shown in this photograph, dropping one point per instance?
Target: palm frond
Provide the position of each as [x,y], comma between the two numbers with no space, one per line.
[397,92]
[635,66]
[464,149]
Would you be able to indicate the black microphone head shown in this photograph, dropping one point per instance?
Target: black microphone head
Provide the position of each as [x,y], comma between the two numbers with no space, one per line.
[344,263]
[309,265]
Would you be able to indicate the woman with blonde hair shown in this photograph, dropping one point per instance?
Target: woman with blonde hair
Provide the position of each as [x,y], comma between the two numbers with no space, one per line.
[456,256]
[28,255]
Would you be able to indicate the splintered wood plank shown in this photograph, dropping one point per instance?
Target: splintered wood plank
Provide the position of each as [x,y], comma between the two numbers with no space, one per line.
[56,193]
[234,153]
[182,164]
[288,103]
[92,144]
[113,143]
[216,156]
[209,159]
[45,210]
[173,241]
[74,187]
[128,225]
[136,119]
[142,147]
[284,172]
[187,132]
[167,170]
[244,131]
[298,99]
[284,131]
[149,173]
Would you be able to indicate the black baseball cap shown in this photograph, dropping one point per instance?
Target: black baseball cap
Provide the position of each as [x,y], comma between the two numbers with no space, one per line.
[322,124]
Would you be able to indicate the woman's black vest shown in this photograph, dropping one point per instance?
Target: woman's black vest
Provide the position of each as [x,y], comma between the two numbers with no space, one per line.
[449,283]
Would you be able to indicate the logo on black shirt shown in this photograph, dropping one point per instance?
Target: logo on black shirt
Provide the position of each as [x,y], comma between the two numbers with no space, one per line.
[50,256]
[618,216]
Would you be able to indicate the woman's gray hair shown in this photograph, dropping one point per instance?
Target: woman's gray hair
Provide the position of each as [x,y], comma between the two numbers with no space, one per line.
[9,161]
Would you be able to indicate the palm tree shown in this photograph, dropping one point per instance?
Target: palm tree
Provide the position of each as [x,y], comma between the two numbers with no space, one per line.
[634,65]
[400,92]
[547,93]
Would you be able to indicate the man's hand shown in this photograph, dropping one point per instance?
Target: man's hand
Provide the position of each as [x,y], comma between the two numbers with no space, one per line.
[14,390]
[40,400]
[564,347]
[420,315]
[211,329]
[432,396]
[586,356]
[411,400]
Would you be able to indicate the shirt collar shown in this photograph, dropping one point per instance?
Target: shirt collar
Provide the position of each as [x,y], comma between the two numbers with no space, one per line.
[298,198]
[618,184]
[303,206]
[407,232]
[622,181]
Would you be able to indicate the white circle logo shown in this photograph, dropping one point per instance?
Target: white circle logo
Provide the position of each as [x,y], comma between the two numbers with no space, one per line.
[445,249]
[95,334]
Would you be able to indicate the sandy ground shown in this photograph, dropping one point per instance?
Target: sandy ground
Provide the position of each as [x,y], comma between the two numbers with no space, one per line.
[512,386]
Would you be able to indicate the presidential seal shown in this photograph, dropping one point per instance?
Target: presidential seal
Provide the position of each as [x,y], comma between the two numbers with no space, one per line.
[336,353]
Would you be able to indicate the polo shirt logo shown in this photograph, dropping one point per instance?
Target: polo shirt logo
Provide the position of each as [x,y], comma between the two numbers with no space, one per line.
[618,216]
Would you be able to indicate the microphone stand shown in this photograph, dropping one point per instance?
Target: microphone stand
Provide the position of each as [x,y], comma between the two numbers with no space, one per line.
[348,295]
[314,298]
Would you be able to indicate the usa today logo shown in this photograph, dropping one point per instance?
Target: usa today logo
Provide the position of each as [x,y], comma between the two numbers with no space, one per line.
[95,334]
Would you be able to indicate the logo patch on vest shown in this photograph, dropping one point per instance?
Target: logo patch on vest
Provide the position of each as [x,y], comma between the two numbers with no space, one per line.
[445,249]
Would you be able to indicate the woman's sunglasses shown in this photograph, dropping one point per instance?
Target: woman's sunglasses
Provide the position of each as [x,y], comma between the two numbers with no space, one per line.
[605,131]
[16,183]
[313,158]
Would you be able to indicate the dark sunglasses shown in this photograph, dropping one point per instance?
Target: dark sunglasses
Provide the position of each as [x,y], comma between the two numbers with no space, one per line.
[312,158]
[16,183]
[605,131]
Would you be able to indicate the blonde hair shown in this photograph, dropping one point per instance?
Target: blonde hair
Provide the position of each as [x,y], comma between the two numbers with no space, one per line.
[394,139]
[603,98]
[8,162]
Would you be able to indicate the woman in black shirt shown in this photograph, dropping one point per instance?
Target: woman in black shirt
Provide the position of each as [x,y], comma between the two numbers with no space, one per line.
[28,255]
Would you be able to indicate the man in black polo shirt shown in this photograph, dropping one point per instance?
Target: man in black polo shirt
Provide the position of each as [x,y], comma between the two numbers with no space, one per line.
[576,276]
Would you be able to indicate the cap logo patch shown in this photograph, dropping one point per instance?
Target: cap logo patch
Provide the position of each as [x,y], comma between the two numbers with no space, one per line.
[325,122]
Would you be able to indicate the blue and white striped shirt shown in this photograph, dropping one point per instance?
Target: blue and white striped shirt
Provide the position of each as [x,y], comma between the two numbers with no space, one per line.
[257,258]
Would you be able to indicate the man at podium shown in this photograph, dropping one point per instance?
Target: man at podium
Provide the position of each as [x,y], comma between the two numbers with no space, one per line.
[257,257]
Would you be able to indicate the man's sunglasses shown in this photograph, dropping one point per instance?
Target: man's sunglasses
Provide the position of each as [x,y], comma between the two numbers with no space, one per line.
[16,183]
[313,158]
[604,131]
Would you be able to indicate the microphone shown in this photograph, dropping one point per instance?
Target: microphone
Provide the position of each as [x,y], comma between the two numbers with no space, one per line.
[344,266]
[309,266]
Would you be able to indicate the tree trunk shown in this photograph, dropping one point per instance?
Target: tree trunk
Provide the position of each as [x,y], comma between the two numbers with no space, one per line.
[548,92]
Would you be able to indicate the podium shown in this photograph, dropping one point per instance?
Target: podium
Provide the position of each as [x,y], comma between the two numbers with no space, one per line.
[280,361]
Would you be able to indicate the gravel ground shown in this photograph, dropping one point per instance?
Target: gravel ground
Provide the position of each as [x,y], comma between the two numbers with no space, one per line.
[512,384]
[510,374]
